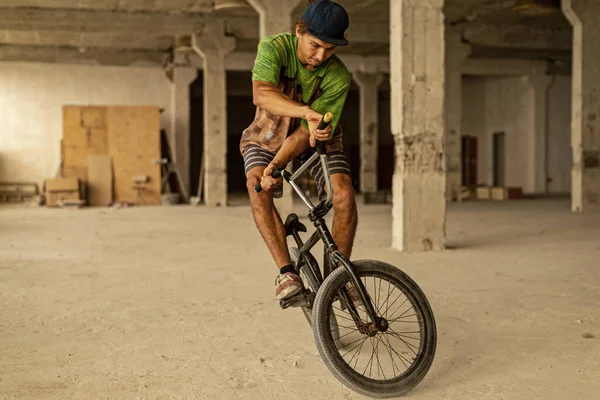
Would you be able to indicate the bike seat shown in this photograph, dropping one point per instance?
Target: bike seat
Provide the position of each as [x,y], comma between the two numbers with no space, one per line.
[292,223]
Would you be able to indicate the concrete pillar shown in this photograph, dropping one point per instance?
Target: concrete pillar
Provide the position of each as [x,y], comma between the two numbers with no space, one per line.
[212,45]
[275,16]
[584,15]
[179,135]
[418,119]
[456,53]
[369,128]
[539,83]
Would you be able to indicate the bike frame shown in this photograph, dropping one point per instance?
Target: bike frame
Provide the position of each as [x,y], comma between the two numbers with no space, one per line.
[316,215]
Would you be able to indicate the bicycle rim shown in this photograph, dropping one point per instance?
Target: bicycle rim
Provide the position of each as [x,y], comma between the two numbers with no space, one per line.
[377,364]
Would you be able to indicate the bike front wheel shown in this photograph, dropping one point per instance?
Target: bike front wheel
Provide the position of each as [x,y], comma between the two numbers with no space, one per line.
[370,362]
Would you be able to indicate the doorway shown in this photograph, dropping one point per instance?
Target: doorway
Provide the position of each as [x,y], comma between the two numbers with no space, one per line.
[469,161]
[498,158]
[240,113]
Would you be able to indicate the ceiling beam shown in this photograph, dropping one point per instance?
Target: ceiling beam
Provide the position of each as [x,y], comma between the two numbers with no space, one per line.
[177,6]
[360,31]
[70,55]
[155,24]
[86,39]
[519,36]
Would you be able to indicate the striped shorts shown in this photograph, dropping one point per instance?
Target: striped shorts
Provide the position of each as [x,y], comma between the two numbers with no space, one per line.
[255,156]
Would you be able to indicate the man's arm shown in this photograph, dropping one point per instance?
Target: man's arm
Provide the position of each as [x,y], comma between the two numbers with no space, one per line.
[294,145]
[266,95]
[269,98]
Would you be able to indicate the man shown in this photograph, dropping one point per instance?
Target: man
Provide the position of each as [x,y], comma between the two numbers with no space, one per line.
[296,79]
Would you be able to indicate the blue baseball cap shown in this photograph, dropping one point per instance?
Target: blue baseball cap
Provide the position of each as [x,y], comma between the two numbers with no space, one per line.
[327,21]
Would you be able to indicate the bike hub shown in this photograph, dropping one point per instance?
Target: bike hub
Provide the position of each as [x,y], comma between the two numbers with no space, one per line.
[369,329]
[382,325]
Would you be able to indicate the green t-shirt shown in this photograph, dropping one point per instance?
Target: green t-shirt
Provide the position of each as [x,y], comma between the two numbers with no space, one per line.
[279,51]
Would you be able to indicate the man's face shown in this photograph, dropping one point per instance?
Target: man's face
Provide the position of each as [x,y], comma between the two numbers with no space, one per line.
[312,51]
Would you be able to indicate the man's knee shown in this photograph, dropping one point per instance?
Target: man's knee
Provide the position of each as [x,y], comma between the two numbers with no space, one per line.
[343,192]
[251,181]
[262,199]
[253,178]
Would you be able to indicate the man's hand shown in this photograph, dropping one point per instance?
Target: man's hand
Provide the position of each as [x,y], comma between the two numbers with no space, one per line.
[314,118]
[267,181]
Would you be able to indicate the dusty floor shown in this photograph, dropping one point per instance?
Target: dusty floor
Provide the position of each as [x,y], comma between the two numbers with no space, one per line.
[178,303]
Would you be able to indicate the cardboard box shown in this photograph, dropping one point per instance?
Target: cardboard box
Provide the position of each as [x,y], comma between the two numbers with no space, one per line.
[62,189]
[506,193]
[62,184]
[483,193]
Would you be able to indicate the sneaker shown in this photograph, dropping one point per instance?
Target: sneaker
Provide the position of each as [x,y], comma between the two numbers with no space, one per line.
[288,284]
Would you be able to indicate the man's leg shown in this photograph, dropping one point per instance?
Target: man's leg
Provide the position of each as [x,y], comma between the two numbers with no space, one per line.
[267,219]
[269,223]
[345,216]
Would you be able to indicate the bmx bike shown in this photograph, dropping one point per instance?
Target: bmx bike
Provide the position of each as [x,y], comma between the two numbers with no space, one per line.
[393,317]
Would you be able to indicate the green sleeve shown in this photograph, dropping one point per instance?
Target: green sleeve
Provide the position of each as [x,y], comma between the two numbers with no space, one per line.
[333,100]
[267,64]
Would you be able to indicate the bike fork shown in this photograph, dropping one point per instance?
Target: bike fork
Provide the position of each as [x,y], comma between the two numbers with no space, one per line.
[380,323]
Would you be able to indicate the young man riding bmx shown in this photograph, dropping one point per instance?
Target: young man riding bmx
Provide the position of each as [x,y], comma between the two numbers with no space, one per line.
[296,79]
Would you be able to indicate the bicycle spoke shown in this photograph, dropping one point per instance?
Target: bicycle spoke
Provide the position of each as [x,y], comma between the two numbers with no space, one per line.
[395,334]
[403,312]
[358,352]
[369,362]
[401,293]
[394,366]
[341,326]
[356,330]
[408,337]
[357,340]
[387,300]
[405,316]
[379,367]
[402,358]
[349,319]
[379,295]
[353,325]
[351,350]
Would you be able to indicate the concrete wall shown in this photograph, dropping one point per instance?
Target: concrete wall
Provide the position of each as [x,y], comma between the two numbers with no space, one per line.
[499,105]
[31,99]
[502,104]
[560,155]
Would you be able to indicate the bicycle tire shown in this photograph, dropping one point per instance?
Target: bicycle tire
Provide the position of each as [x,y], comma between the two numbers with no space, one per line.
[337,365]
[314,286]
[308,281]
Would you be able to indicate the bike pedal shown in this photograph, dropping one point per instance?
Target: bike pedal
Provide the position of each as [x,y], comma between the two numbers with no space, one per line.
[302,299]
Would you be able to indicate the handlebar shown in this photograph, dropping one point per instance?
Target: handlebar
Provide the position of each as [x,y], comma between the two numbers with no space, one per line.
[276,174]
[321,152]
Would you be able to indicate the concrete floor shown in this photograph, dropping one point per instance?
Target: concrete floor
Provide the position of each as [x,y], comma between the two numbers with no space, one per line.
[178,303]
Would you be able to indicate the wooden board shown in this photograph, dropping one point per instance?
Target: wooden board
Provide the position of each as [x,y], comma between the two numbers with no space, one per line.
[84,134]
[133,144]
[100,181]
[129,135]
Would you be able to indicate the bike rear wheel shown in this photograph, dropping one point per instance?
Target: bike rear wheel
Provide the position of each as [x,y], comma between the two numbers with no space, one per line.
[309,281]
[399,360]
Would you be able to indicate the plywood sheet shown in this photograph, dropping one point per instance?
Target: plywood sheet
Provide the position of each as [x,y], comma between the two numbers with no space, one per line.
[100,181]
[84,134]
[133,144]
